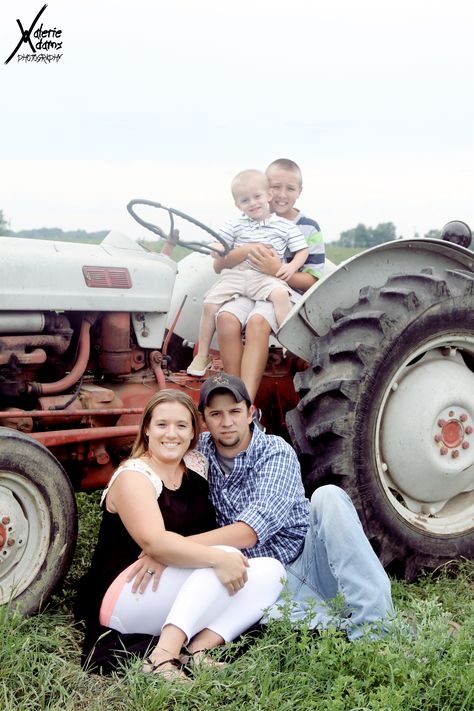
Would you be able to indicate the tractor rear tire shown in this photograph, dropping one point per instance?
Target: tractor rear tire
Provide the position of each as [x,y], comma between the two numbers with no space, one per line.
[38,522]
[386,412]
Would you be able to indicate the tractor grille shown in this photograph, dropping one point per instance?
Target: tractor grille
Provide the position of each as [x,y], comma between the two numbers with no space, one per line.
[107,277]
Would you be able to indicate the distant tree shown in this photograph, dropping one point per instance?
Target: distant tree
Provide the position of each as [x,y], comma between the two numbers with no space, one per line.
[356,237]
[56,233]
[3,224]
[384,232]
[364,237]
[433,234]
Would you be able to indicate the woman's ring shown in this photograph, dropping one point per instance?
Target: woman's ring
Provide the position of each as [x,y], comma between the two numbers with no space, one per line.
[150,572]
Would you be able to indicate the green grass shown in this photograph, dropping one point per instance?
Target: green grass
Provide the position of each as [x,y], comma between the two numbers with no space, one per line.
[284,670]
[339,254]
[157,245]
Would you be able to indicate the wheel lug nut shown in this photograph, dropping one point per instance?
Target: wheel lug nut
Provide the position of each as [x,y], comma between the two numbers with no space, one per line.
[468,430]
[455,453]
[437,438]
[443,451]
[451,413]
[5,520]
[463,418]
[465,445]
[441,423]
[11,542]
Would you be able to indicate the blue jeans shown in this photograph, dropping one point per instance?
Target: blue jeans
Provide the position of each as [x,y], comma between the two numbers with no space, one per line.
[337,558]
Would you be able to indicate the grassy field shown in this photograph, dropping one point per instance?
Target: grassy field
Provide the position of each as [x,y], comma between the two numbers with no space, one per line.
[339,254]
[429,669]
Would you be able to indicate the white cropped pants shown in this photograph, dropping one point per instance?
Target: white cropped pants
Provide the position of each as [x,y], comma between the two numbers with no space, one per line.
[194,599]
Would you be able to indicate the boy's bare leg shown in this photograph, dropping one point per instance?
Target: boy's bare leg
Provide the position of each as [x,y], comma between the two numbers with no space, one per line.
[201,361]
[280,299]
[255,353]
[207,327]
[229,335]
[302,281]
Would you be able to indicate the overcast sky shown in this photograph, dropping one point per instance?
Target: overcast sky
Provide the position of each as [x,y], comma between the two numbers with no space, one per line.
[167,100]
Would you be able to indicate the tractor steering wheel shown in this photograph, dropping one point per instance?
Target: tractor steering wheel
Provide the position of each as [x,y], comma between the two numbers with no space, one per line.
[173,236]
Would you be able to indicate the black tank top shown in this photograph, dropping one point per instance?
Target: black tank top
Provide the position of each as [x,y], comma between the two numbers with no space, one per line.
[186,511]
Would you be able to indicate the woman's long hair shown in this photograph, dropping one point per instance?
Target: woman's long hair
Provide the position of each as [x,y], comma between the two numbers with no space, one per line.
[140,446]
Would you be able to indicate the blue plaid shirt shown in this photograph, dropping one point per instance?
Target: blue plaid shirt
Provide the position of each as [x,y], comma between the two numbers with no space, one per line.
[265,491]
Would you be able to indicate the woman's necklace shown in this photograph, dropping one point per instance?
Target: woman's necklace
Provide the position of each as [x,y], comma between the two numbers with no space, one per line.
[173,485]
[178,476]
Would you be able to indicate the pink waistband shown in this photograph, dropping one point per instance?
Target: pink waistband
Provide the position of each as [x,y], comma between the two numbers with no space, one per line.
[111,596]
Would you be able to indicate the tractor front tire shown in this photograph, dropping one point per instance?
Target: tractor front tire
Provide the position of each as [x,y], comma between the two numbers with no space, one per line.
[38,522]
[386,412]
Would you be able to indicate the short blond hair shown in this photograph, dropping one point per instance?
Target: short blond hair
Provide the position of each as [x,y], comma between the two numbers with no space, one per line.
[286,164]
[244,176]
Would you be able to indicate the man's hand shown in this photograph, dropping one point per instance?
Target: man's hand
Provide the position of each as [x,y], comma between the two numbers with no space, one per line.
[265,259]
[140,573]
[231,570]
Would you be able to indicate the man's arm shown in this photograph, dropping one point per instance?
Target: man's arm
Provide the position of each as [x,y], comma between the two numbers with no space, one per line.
[238,534]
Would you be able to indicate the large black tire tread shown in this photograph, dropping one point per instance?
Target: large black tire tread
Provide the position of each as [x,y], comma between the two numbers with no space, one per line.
[333,426]
[43,493]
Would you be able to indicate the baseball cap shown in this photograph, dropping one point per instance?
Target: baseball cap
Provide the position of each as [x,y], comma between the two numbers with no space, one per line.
[223,381]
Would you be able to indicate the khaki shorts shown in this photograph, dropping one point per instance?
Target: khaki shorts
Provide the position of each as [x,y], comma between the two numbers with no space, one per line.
[233,283]
[243,309]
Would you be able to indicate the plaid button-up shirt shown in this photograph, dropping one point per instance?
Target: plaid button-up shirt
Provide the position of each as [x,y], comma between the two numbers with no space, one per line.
[265,491]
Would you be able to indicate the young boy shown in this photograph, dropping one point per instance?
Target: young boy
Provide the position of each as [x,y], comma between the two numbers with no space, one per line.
[257,319]
[286,184]
[252,196]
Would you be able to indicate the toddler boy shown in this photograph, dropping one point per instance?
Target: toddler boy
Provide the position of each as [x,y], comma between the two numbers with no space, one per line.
[252,196]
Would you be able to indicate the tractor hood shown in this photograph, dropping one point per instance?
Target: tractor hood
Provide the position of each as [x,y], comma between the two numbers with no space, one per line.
[116,275]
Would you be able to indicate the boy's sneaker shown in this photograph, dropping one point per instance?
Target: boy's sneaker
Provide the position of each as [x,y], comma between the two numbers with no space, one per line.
[199,365]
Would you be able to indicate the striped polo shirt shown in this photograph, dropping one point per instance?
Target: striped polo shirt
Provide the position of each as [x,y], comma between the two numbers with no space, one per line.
[275,231]
[314,264]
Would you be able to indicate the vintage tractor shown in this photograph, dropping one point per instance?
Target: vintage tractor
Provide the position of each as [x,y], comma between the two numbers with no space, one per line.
[381,352]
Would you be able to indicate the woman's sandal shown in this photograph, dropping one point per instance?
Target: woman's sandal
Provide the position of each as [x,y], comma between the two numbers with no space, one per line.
[193,661]
[174,673]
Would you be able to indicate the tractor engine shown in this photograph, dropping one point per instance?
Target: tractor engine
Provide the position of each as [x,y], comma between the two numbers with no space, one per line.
[32,347]
[77,383]
[80,346]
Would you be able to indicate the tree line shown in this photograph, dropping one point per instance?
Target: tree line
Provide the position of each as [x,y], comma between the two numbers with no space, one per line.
[364,237]
[52,233]
[361,237]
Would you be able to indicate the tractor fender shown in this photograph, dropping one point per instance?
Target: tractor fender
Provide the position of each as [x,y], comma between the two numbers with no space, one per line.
[195,276]
[312,316]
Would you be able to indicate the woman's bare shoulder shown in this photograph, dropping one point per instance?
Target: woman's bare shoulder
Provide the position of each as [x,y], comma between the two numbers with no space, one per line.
[135,465]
